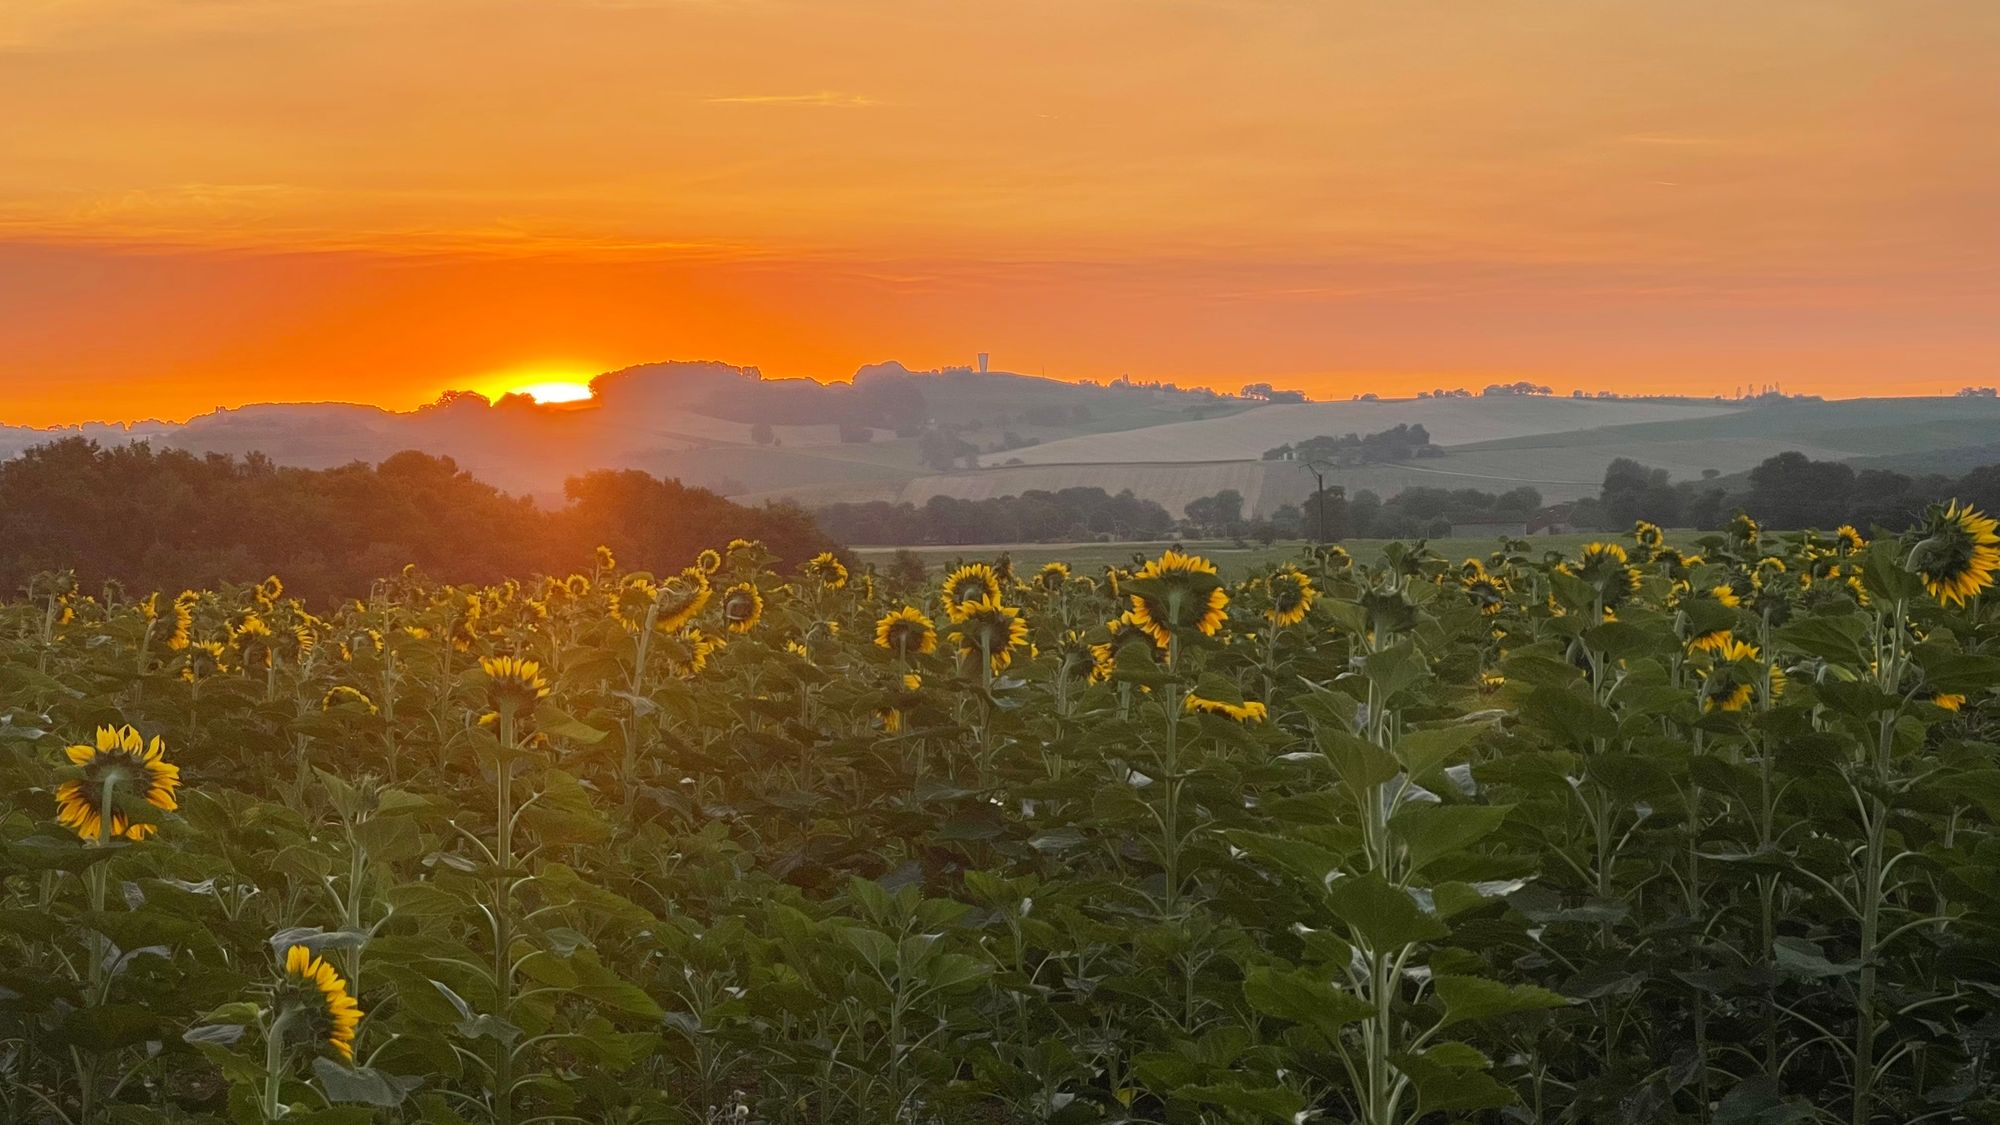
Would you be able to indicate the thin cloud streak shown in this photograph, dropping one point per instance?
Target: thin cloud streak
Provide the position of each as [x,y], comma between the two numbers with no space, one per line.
[829,99]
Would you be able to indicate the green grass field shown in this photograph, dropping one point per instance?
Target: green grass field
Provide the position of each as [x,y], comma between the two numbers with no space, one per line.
[1234,561]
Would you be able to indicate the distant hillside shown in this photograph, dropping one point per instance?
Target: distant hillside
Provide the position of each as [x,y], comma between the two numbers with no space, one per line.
[1451,422]
[710,424]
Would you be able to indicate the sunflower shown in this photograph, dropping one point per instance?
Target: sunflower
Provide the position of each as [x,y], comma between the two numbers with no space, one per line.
[1180,591]
[1488,591]
[1745,530]
[1950,701]
[892,718]
[514,685]
[742,607]
[989,627]
[1713,640]
[1292,597]
[1648,535]
[680,598]
[798,649]
[181,614]
[1249,711]
[270,590]
[907,632]
[465,627]
[1675,563]
[1490,682]
[252,642]
[632,601]
[691,657]
[120,758]
[606,561]
[831,572]
[1604,566]
[1053,576]
[314,989]
[1847,541]
[203,659]
[1731,683]
[973,582]
[710,560]
[1957,552]
[343,695]
[1104,655]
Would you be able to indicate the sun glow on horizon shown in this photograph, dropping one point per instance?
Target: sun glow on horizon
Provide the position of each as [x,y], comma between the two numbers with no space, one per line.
[553,391]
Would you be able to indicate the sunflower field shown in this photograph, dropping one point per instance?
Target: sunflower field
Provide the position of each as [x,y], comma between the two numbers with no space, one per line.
[1658,832]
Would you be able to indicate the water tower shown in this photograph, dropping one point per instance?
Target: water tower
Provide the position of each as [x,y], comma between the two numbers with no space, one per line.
[982,363]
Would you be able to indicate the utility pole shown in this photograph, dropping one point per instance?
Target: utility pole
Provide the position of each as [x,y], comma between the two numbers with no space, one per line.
[1318,469]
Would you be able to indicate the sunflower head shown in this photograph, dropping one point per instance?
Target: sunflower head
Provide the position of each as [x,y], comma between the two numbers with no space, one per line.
[827,568]
[1648,535]
[907,632]
[989,627]
[1957,552]
[742,607]
[710,560]
[270,590]
[1121,631]
[688,652]
[972,582]
[1292,596]
[633,601]
[343,695]
[1735,672]
[1847,541]
[1744,531]
[1177,593]
[1708,613]
[1487,590]
[1334,558]
[316,992]
[1217,696]
[513,685]
[120,760]
[1053,576]
[203,659]
[1605,567]
[606,561]
[1950,701]
[680,597]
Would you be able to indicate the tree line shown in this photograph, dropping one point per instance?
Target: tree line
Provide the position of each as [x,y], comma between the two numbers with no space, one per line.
[1789,490]
[1035,516]
[171,520]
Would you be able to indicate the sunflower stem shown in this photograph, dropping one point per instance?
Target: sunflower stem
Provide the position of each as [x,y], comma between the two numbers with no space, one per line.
[274,1061]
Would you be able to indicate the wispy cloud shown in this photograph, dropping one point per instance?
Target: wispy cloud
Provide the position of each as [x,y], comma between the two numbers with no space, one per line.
[829,99]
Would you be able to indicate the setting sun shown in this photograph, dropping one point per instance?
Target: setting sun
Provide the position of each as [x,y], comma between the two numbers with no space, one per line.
[553,391]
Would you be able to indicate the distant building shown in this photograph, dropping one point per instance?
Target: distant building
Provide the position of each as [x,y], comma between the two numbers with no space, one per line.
[982,363]
[1489,529]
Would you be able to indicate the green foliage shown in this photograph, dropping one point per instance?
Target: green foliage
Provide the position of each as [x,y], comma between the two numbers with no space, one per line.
[1519,838]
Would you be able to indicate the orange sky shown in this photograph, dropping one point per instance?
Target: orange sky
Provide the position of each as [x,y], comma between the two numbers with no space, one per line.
[209,202]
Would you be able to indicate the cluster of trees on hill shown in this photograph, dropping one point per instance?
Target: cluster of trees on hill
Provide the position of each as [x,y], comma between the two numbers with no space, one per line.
[885,396]
[1398,443]
[173,520]
[1035,516]
[1789,490]
[1410,514]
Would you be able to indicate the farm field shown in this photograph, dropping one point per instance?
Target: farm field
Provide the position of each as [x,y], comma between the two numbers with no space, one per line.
[1234,562]
[1451,421]
[1402,836]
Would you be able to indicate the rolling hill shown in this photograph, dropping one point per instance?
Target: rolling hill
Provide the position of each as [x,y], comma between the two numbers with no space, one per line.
[729,429]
